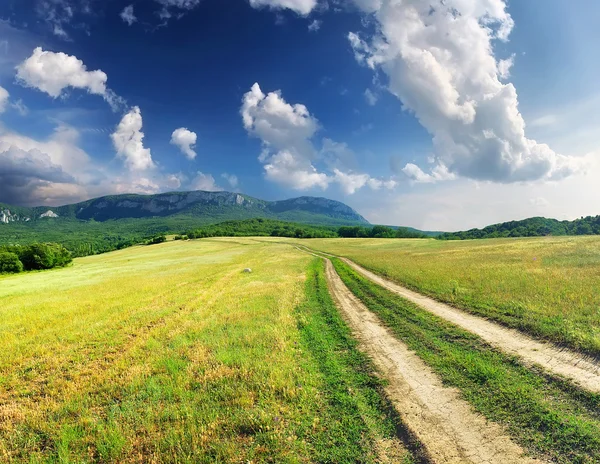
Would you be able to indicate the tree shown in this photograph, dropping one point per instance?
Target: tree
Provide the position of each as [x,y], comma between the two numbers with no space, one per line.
[10,263]
[44,256]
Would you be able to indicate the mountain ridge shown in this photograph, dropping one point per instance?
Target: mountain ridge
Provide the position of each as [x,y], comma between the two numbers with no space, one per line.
[202,204]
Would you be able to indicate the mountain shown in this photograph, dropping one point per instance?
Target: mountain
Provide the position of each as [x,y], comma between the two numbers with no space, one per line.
[204,207]
[532,227]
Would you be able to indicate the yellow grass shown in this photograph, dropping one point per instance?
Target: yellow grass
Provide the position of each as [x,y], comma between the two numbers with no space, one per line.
[165,353]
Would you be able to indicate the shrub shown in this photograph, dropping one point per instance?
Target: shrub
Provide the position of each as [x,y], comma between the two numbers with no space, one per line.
[157,239]
[10,263]
[44,256]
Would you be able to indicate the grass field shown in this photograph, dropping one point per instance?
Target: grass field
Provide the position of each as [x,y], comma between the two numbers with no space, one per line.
[545,286]
[170,353]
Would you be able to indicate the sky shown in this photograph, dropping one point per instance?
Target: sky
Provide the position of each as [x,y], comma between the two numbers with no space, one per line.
[435,114]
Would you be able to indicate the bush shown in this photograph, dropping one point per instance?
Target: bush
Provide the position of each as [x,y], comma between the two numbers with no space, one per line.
[44,256]
[10,263]
[157,239]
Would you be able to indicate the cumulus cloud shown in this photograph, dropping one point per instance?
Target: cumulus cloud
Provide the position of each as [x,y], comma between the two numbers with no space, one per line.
[185,140]
[205,182]
[349,182]
[297,173]
[231,179]
[128,141]
[127,15]
[504,67]
[289,156]
[286,132]
[52,73]
[302,7]
[439,60]
[3,99]
[417,175]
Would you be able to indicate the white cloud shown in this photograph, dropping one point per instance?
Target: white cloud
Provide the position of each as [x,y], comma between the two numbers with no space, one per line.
[302,7]
[127,15]
[289,156]
[377,184]
[297,173]
[205,182]
[349,182]
[371,97]
[416,174]
[504,66]
[440,63]
[52,73]
[286,132]
[128,141]
[185,140]
[231,179]
[3,99]
[315,25]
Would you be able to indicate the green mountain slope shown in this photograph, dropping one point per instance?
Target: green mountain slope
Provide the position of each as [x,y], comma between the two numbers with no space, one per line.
[202,207]
[532,227]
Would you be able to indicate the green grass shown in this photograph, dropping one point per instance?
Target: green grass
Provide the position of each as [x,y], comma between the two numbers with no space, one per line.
[545,286]
[546,415]
[170,353]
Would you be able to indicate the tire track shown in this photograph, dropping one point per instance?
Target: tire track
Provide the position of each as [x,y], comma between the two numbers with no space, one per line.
[580,369]
[445,423]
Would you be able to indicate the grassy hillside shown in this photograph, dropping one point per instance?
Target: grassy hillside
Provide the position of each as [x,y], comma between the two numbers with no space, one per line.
[545,286]
[170,353]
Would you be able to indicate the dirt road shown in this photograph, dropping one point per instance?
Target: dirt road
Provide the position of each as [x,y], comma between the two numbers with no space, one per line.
[577,367]
[446,425]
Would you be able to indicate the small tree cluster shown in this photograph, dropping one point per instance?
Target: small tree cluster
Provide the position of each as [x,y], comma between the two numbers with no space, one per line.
[37,256]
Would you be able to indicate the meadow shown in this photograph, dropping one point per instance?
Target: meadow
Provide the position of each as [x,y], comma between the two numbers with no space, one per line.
[170,353]
[546,286]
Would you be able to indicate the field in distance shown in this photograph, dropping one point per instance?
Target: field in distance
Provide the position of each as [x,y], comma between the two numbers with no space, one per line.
[170,353]
[547,286]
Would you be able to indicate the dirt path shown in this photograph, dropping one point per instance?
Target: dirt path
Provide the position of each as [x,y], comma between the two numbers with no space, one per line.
[580,369]
[446,425]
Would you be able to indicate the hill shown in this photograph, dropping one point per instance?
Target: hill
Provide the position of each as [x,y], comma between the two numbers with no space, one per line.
[207,207]
[532,227]
[114,222]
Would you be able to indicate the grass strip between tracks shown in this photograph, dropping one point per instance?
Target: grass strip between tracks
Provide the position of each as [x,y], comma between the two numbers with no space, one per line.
[546,415]
[358,416]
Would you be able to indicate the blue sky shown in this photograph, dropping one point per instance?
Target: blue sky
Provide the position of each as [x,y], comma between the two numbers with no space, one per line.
[435,115]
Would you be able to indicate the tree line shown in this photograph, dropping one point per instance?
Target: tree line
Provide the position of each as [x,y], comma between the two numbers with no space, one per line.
[532,227]
[37,256]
